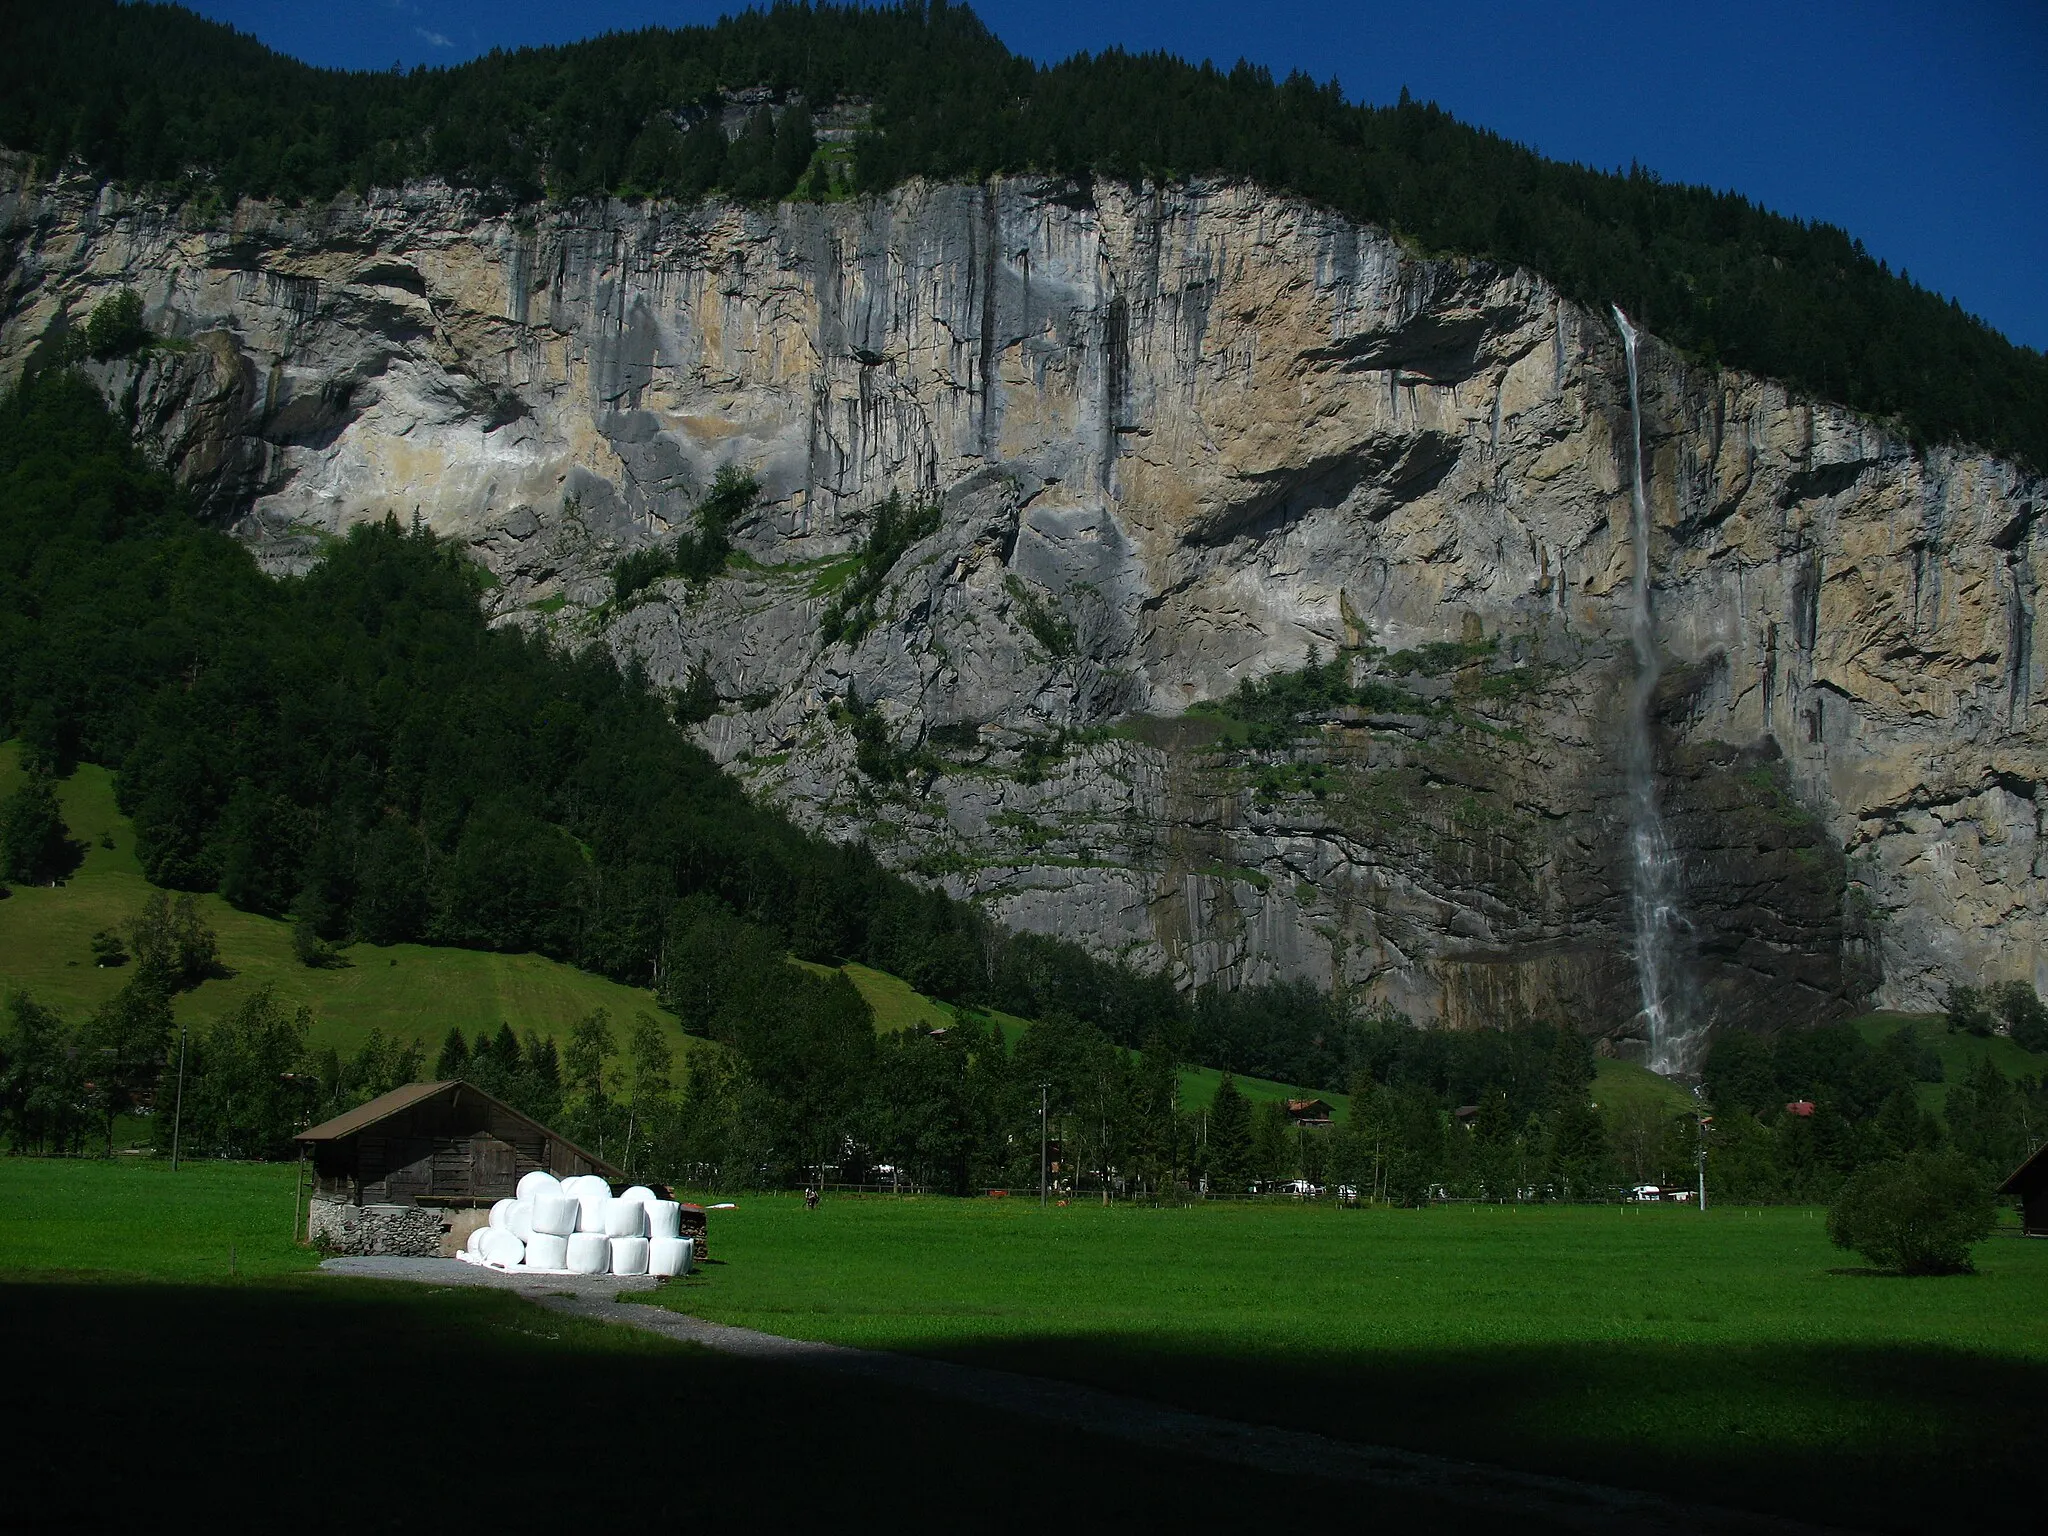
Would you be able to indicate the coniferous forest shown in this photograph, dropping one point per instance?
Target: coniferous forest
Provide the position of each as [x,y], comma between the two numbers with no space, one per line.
[154,96]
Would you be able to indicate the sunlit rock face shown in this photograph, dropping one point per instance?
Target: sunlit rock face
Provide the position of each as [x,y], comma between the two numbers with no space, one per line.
[1178,438]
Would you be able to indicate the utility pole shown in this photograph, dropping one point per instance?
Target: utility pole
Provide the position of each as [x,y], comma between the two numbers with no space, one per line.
[178,1111]
[1705,1121]
[1042,1108]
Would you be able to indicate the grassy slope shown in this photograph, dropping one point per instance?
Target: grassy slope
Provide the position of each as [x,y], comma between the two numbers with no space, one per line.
[1725,1356]
[114,1277]
[1619,1084]
[406,990]
[1959,1053]
[898,1005]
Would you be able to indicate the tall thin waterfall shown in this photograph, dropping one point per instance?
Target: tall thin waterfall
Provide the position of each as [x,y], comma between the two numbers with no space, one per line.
[1666,1014]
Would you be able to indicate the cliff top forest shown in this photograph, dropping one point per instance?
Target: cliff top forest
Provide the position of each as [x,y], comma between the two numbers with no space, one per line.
[156,97]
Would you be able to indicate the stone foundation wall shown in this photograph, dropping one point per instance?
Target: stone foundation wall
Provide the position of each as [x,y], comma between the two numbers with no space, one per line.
[409,1230]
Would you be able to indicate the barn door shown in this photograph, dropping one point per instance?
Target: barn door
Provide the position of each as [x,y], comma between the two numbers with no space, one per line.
[493,1167]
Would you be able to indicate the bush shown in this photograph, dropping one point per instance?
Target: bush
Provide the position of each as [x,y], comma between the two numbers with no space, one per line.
[1917,1214]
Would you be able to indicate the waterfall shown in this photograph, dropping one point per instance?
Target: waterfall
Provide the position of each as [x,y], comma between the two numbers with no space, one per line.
[1666,1015]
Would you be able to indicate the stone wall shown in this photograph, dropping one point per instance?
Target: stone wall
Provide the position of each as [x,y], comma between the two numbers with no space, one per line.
[412,1231]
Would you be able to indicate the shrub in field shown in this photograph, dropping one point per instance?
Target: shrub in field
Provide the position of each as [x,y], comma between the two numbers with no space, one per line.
[1917,1214]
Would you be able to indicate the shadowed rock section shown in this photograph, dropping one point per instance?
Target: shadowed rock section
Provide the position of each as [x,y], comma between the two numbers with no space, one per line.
[1178,437]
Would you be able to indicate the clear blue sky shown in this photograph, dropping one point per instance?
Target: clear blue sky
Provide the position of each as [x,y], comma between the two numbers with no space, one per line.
[1921,127]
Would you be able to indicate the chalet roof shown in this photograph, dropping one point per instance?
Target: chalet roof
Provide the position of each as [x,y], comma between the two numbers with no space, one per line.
[2030,1175]
[398,1100]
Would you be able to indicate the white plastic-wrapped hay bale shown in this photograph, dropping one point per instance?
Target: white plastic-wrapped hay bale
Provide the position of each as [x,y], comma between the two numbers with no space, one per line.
[502,1250]
[664,1219]
[669,1255]
[537,1183]
[589,1253]
[549,1252]
[593,1194]
[639,1192]
[629,1255]
[474,1245]
[625,1218]
[519,1220]
[501,1212]
[556,1214]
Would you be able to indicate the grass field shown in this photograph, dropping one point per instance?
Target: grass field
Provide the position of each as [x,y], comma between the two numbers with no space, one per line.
[1733,1356]
[132,1218]
[406,990]
[163,1387]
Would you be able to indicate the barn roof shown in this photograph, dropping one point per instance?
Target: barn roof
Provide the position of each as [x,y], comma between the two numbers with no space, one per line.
[2030,1175]
[398,1100]
[385,1105]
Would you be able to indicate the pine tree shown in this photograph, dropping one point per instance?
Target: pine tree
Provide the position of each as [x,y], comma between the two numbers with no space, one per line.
[454,1057]
[1228,1154]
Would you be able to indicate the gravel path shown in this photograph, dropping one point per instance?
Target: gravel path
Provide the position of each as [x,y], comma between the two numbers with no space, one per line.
[1495,1491]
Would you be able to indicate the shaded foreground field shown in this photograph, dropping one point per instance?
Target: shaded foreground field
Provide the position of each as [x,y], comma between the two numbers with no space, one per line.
[1729,1358]
[351,1405]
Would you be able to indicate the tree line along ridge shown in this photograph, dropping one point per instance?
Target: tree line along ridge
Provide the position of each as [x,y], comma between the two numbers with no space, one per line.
[156,97]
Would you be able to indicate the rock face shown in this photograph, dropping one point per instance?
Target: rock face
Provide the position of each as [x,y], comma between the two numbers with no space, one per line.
[1175,439]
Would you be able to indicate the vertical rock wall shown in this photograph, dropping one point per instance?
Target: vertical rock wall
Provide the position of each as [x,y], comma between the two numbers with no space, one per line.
[1179,438]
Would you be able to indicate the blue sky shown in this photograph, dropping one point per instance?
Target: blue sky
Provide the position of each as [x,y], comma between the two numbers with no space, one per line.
[1922,128]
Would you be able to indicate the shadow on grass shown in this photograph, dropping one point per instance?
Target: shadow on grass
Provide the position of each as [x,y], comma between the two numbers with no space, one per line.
[1886,1438]
[317,1404]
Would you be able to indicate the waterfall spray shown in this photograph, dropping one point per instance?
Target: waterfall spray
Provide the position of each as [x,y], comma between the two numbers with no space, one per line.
[1666,1017]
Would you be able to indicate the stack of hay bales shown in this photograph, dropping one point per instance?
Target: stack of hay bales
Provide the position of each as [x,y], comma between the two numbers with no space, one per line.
[576,1226]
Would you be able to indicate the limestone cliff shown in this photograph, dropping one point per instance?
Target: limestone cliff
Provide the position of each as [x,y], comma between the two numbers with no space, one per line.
[1179,437]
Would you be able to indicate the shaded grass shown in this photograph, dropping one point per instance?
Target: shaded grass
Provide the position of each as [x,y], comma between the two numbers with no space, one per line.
[360,1406]
[1715,1357]
[406,990]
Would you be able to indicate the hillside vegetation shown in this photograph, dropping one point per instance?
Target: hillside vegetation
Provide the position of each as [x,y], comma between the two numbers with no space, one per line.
[403,991]
[154,95]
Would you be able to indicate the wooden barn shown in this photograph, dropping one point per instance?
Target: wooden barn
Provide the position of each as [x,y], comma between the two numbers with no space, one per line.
[447,1144]
[2029,1185]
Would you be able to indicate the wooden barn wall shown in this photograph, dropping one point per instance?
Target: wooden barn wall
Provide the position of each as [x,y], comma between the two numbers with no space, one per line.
[425,1149]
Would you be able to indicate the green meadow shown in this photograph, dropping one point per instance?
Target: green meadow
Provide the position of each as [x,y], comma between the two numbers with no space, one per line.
[1733,1357]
